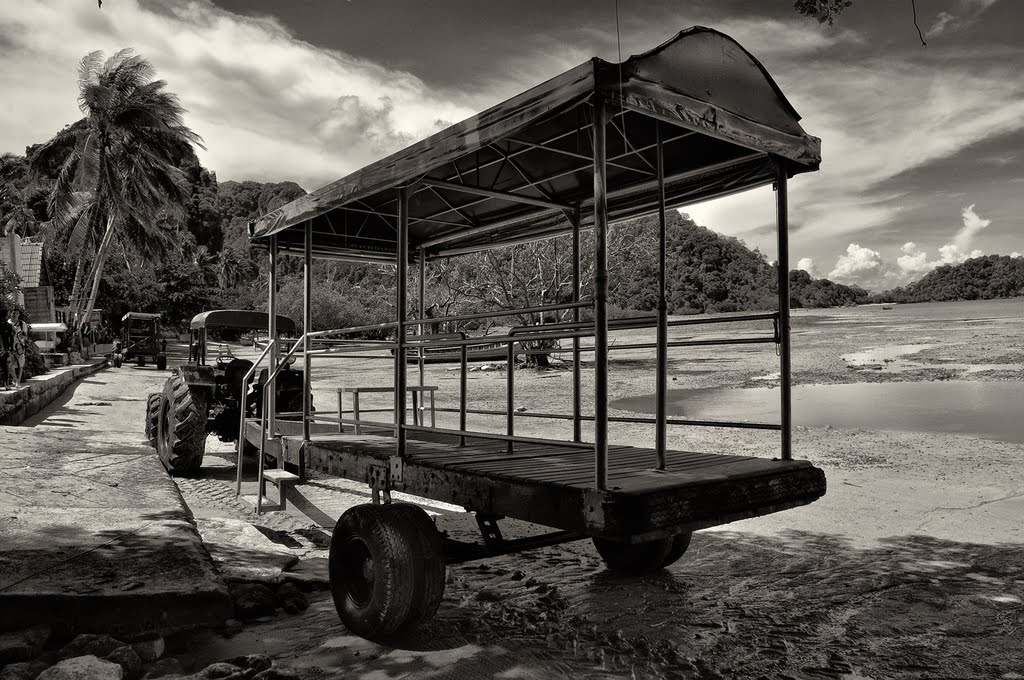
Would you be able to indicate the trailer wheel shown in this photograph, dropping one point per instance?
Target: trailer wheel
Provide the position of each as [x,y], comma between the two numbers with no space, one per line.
[634,558]
[140,361]
[181,431]
[152,416]
[117,360]
[372,573]
[679,545]
[161,362]
[427,559]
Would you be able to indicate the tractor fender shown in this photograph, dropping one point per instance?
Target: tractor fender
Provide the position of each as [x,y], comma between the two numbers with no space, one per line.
[195,375]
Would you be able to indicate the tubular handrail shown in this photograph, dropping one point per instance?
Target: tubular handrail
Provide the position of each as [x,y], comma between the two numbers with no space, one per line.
[241,424]
[499,313]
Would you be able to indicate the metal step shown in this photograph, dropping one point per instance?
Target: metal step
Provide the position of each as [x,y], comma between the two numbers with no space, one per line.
[268,505]
[279,477]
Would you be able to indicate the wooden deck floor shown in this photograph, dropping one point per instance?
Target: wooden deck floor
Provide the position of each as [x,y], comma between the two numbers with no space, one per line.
[554,484]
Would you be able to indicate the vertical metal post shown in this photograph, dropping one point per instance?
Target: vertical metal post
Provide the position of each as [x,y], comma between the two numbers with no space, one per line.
[577,371]
[269,390]
[785,385]
[463,388]
[401,301]
[661,379]
[600,296]
[510,392]
[307,345]
[422,313]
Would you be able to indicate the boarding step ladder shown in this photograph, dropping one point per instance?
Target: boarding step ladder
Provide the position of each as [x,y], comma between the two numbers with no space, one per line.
[282,479]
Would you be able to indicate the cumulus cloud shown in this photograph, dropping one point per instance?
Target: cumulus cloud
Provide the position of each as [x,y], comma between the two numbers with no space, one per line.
[270,106]
[807,264]
[859,265]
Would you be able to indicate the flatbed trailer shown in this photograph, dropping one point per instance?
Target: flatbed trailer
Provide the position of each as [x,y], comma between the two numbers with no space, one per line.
[693,119]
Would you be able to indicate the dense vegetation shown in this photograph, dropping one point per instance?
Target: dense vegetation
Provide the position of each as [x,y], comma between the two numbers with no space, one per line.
[980,278]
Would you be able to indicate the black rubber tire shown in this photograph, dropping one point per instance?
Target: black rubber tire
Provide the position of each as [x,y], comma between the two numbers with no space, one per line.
[161,363]
[679,545]
[140,361]
[427,558]
[181,431]
[634,559]
[152,416]
[372,572]
[117,361]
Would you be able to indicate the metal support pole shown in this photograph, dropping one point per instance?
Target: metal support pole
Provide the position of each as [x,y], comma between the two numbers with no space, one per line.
[401,301]
[423,309]
[661,379]
[269,389]
[510,391]
[463,389]
[307,345]
[577,371]
[785,384]
[600,296]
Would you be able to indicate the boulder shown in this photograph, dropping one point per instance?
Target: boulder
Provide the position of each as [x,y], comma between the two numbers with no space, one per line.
[164,668]
[232,627]
[128,660]
[24,670]
[23,645]
[253,600]
[87,643]
[149,649]
[86,667]
[220,670]
[291,599]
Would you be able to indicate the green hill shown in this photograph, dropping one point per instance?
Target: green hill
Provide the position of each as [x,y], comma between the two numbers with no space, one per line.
[980,278]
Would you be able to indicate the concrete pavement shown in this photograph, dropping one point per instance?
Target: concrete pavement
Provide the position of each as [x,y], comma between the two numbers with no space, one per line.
[95,534]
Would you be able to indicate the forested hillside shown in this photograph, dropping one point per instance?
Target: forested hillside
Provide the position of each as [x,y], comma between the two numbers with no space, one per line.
[980,278]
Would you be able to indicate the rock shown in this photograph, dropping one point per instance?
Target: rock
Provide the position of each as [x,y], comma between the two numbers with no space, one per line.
[87,643]
[86,667]
[276,674]
[291,599]
[253,600]
[150,649]
[163,668]
[232,627]
[128,660]
[23,645]
[219,670]
[25,670]
[256,662]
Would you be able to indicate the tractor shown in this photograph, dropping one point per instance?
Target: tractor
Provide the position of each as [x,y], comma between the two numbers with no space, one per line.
[140,340]
[203,397]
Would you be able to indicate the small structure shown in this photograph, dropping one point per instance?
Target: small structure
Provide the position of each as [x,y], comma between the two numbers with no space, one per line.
[27,258]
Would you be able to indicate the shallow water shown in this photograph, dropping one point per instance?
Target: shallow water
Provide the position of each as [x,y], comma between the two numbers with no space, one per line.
[987,409]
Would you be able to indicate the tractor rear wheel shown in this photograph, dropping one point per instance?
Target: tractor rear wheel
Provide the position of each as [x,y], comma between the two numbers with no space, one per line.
[181,431]
[152,416]
[161,362]
[118,358]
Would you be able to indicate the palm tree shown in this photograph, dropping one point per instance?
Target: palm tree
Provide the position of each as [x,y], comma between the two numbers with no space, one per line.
[120,175]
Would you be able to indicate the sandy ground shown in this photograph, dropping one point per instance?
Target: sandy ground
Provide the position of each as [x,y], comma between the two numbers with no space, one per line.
[909,567]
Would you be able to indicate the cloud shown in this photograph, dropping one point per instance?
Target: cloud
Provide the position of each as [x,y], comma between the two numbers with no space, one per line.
[970,10]
[807,264]
[859,265]
[270,106]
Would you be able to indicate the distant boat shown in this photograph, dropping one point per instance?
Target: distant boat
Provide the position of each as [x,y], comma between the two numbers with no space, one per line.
[886,307]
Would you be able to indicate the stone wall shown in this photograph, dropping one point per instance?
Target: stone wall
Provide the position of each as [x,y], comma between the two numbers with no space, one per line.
[36,393]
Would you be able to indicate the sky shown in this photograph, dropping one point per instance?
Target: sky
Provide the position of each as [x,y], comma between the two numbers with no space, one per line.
[922,147]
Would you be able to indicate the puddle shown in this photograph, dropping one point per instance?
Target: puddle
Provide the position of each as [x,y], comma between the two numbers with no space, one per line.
[878,355]
[986,409]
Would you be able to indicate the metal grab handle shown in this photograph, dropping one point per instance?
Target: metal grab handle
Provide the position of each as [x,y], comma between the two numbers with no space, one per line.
[241,424]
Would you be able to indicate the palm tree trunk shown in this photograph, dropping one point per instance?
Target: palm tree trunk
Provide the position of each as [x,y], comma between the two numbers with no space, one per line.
[76,286]
[97,269]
